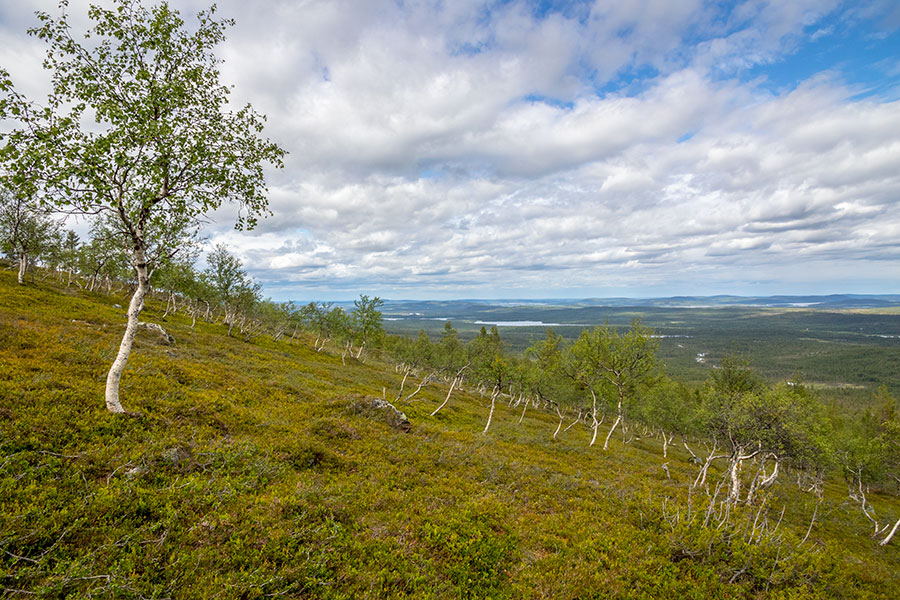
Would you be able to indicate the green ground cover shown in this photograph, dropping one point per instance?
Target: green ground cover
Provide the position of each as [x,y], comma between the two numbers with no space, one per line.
[252,470]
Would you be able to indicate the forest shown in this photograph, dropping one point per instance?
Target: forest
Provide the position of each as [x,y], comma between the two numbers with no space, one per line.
[846,352]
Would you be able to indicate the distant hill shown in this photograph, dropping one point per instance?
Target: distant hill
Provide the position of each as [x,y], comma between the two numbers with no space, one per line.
[464,307]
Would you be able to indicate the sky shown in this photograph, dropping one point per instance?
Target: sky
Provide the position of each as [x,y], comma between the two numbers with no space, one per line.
[444,149]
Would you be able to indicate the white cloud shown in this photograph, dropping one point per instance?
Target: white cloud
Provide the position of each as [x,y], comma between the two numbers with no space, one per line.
[467,147]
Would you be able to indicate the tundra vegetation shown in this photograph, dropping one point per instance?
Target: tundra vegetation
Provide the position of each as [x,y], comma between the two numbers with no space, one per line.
[263,462]
[261,455]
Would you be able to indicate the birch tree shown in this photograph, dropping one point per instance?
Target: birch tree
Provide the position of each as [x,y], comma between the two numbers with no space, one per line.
[619,363]
[367,323]
[413,355]
[226,274]
[490,367]
[453,360]
[26,232]
[546,378]
[577,364]
[164,147]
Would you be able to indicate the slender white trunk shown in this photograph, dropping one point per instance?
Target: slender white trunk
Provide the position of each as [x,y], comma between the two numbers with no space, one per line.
[594,421]
[23,267]
[170,301]
[134,311]
[761,480]
[428,379]
[688,448]
[558,427]
[572,424]
[611,430]
[886,540]
[704,471]
[811,523]
[618,420]
[494,394]
[447,399]
[402,383]
[735,474]
[524,408]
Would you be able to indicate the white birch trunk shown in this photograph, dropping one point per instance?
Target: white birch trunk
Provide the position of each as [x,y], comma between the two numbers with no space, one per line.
[886,540]
[761,480]
[23,267]
[494,393]
[402,383]
[134,310]
[573,423]
[735,474]
[447,399]
[594,421]
[611,430]
[558,427]
[618,420]
[704,470]
[688,448]
[428,379]
[524,408]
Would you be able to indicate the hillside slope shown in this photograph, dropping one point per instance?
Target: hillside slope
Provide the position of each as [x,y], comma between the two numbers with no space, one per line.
[250,470]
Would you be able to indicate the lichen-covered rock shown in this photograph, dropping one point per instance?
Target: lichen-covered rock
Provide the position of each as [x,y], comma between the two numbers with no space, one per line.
[168,339]
[377,406]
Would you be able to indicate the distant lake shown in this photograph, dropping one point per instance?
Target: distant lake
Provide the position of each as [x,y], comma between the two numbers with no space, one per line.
[525,324]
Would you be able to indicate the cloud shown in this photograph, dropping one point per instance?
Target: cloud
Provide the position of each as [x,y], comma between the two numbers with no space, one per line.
[483,148]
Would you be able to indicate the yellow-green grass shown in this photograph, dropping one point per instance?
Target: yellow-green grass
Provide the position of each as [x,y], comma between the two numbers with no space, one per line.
[257,469]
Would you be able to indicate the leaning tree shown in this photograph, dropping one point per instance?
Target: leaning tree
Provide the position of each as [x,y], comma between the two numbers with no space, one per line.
[138,127]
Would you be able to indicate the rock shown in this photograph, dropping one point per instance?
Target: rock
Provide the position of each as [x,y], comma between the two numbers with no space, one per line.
[394,417]
[158,328]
